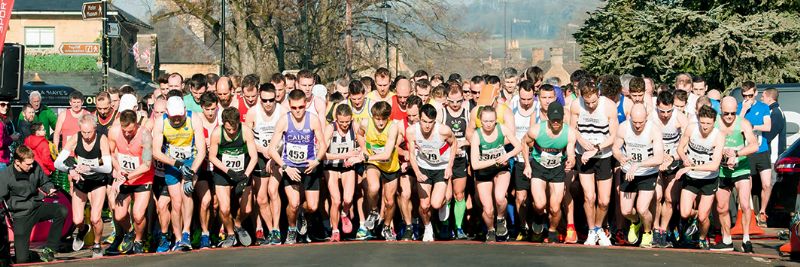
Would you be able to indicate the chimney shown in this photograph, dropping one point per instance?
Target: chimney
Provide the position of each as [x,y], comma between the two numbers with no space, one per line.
[557,65]
[537,56]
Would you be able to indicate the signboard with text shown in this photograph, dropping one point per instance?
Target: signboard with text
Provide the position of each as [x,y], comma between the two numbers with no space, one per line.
[92,10]
[79,48]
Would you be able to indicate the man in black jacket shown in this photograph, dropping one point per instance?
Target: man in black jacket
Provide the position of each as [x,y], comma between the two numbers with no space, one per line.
[23,188]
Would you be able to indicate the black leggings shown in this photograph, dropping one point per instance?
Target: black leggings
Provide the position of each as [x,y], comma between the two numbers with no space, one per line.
[24,225]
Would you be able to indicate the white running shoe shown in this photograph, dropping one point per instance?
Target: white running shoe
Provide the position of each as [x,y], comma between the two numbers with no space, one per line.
[591,238]
[428,235]
[604,241]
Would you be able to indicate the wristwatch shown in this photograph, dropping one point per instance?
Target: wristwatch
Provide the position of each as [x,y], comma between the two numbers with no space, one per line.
[284,167]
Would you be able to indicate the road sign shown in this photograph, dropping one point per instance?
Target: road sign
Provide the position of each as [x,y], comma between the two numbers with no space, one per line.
[92,10]
[113,30]
[79,48]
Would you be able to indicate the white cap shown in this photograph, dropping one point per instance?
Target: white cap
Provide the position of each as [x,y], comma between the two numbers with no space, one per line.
[175,106]
[127,102]
[320,91]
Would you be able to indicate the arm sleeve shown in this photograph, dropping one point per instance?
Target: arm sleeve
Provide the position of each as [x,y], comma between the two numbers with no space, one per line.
[60,161]
[106,167]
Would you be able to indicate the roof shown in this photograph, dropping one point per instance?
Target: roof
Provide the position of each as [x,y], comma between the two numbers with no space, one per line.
[179,45]
[71,6]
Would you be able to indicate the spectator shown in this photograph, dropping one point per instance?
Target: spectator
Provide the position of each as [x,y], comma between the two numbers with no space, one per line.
[24,125]
[778,119]
[41,148]
[42,113]
[7,135]
[20,188]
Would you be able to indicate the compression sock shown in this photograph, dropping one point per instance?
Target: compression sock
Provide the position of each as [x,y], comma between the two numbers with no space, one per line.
[459,210]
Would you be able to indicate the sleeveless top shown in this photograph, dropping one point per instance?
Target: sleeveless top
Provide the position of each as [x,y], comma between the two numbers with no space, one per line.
[298,143]
[458,124]
[670,132]
[364,113]
[550,151]
[491,150]
[91,157]
[375,145]
[734,140]
[700,152]
[621,109]
[433,153]
[341,144]
[397,113]
[129,156]
[70,126]
[233,153]
[180,141]
[638,148]
[207,134]
[264,128]
[521,126]
[104,124]
[594,127]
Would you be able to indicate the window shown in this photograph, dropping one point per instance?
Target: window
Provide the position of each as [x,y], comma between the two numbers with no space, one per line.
[40,37]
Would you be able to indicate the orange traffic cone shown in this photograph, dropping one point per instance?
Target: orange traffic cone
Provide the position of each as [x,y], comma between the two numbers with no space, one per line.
[754,229]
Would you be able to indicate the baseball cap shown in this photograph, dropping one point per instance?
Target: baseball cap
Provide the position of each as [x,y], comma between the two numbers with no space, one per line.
[175,106]
[127,102]
[555,111]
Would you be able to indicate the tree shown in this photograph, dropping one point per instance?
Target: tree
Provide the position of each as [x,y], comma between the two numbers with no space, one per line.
[269,36]
[726,42]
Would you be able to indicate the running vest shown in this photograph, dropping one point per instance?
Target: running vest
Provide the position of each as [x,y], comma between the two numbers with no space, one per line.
[375,145]
[264,128]
[550,151]
[397,113]
[104,124]
[129,157]
[91,157]
[492,150]
[70,126]
[341,144]
[207,134]
[233,153]
[298,143]
[700,152]
[621,109]
[362,114]
[312,108]
[638,148]
[671,133]
[521,126]
[432,154]
[734,140]
[180,141]
[458,124]
[594,127]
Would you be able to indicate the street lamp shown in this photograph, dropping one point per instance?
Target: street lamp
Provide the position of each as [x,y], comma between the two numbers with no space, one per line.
[385,8]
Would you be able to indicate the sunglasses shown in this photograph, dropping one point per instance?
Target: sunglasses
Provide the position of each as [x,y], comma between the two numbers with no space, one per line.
[268,100]
[298,107]
[476,92]
[466,92]
[3,104]
[665,110]
[728,113]
[748,95]
[455,101]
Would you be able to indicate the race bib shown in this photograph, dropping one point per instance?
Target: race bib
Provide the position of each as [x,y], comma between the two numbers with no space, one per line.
[549,160]
[233,162]
[492,154]
[429,155]
[341,148]
[296,153]
[636,155]
[180,152]
[88,162]
[128,163]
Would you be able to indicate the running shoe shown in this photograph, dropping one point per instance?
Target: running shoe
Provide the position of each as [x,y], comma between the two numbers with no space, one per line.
[388,234]
[291,237]
[408,234]
[538,225]
[127,242]
[260,238]
[703,244]
[460,235]
[183,244]
[502,230]
[163,244]
[97,251]
[302,225]
[372,218]
[620,238]
[647,240]
[761,220]
[137,248]
[668,239]
[657,239]
[604,240]
[347,225]
[633,232]
[275,237]
[110,238]
[444,212]
[362,234]
[552,237]
[113,248]
[47,254]
[572,236]
[428,235]
[491,236]
[77,240]
[747,247]
[335,236]
[523,234]
[228,242]
[692,229]
[244,237]
[721,246]
[205,242]
[591,238]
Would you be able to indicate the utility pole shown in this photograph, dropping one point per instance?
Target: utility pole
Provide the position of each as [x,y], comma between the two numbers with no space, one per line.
[385,8]
[505,32]
[105,45]
[222,46]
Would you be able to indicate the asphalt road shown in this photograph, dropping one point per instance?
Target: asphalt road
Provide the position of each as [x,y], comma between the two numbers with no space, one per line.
[437,254]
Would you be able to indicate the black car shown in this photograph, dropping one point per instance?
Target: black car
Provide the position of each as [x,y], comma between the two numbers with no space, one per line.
[784,193]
